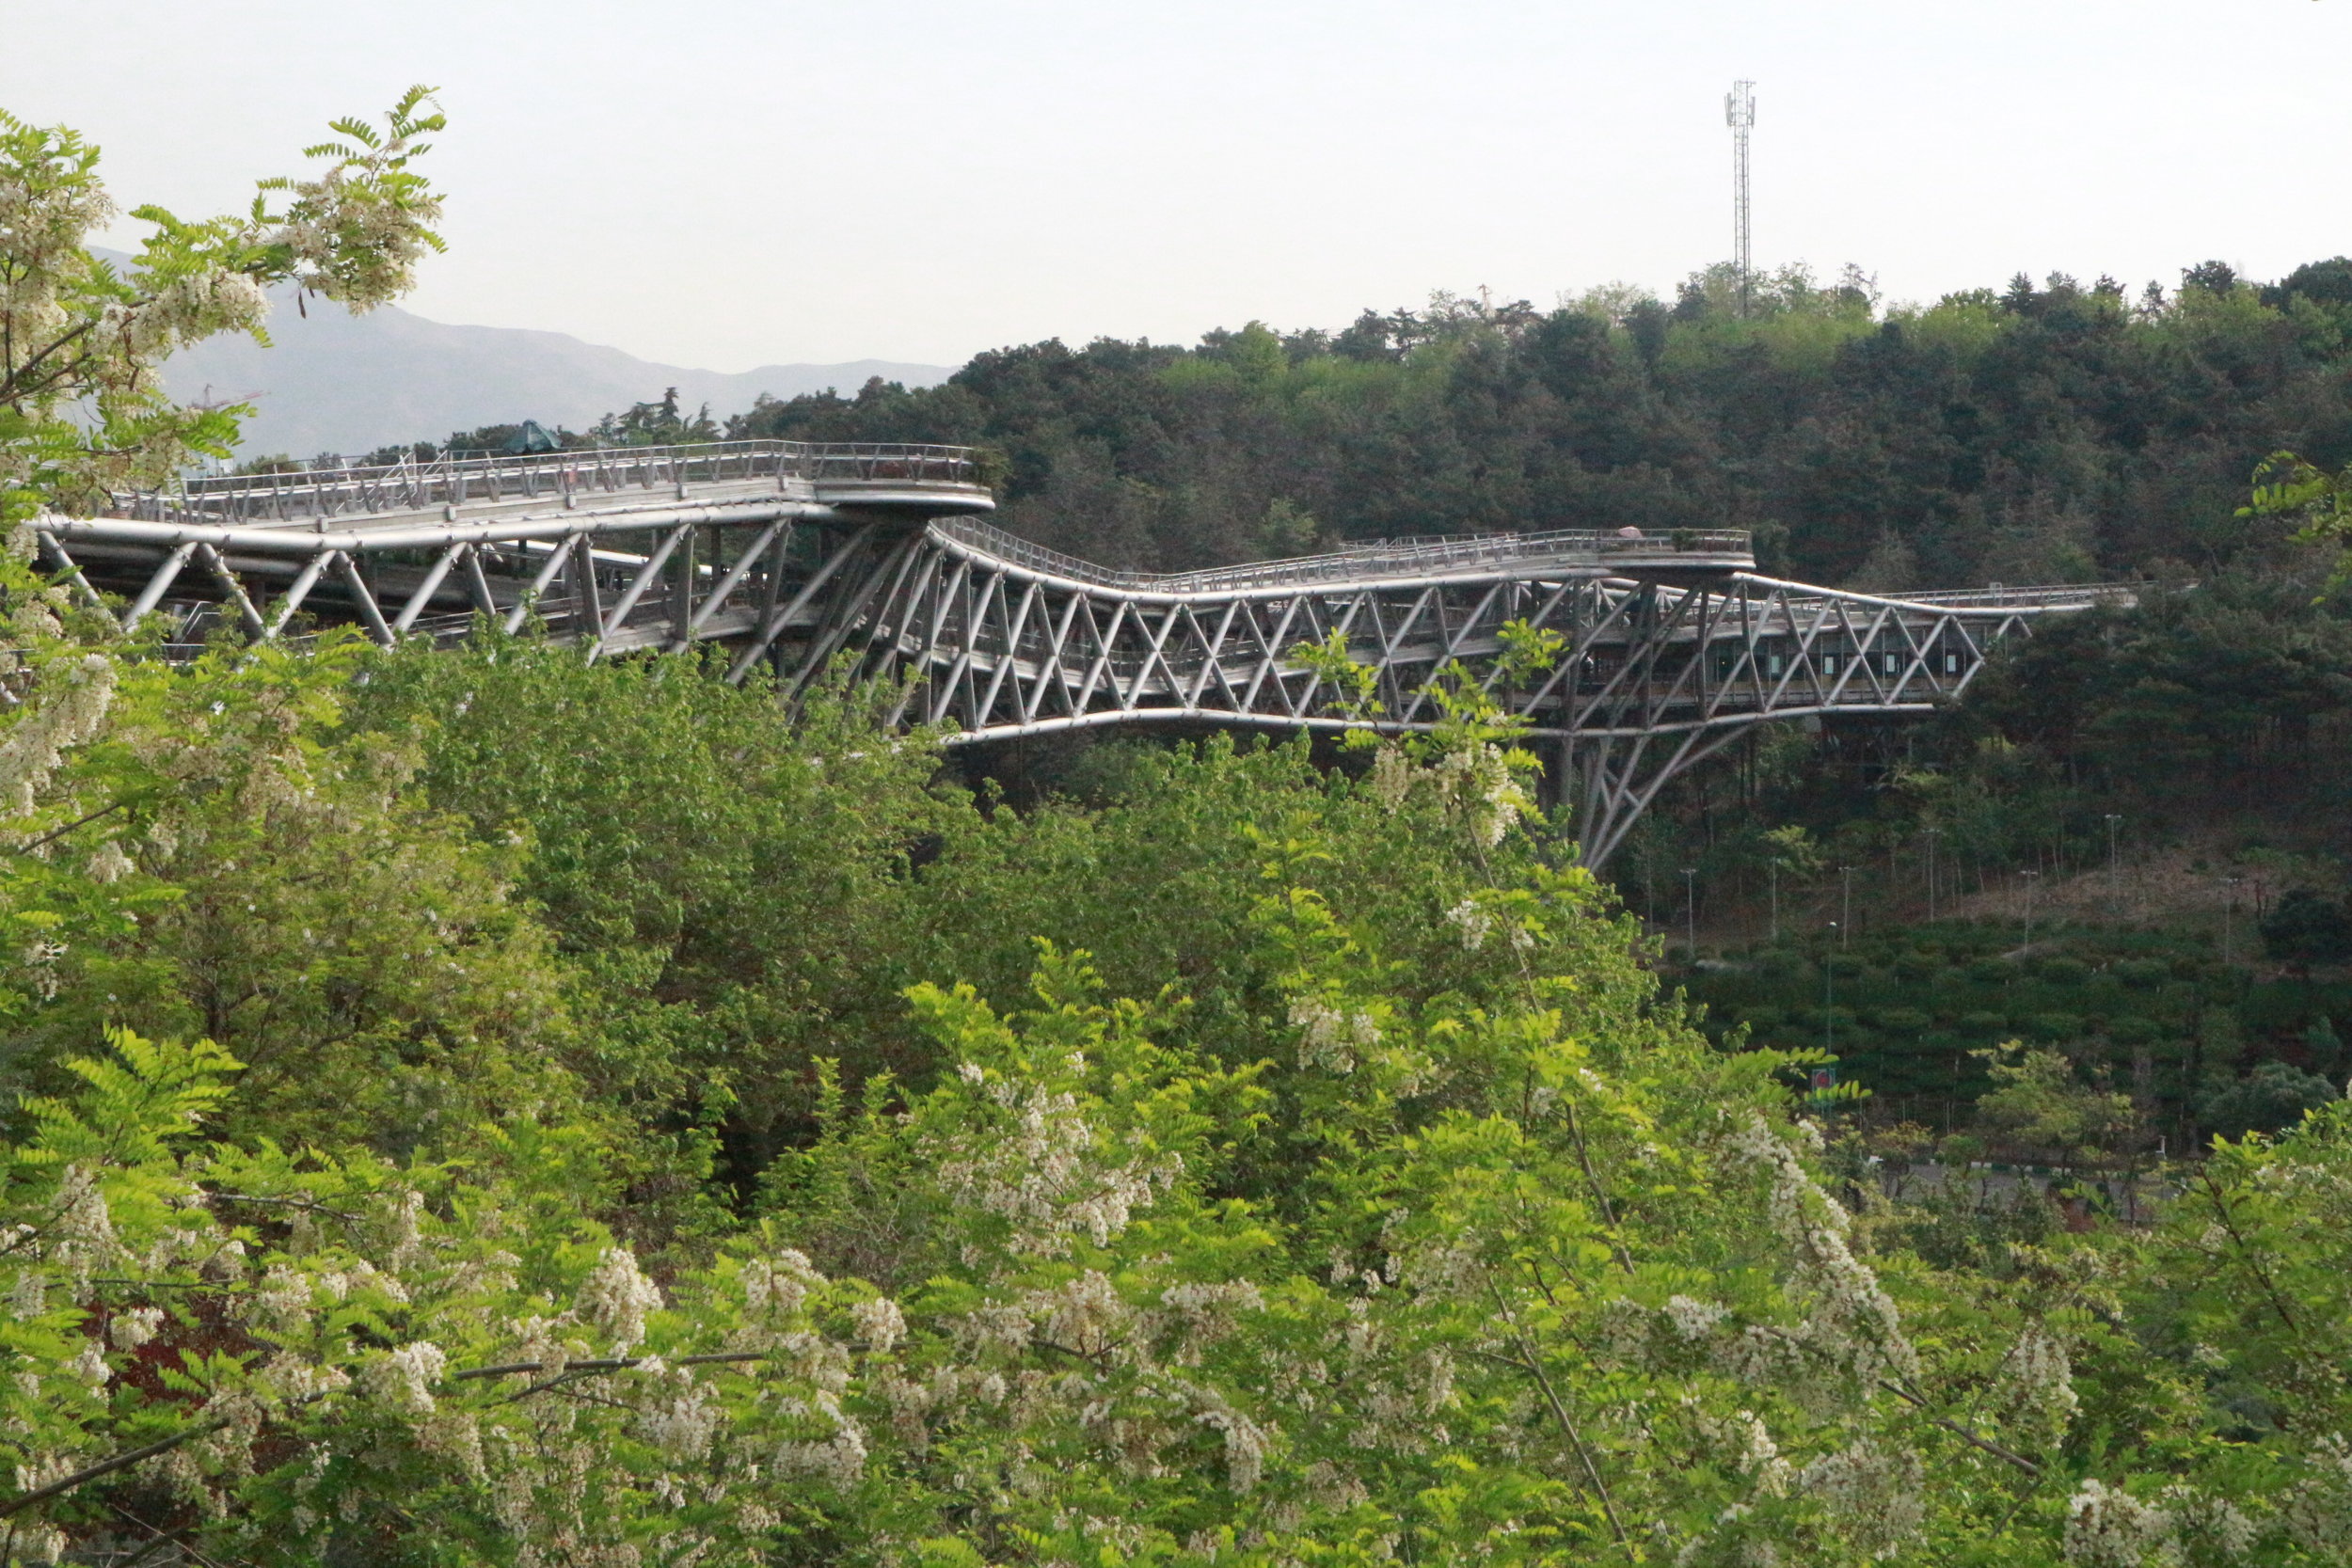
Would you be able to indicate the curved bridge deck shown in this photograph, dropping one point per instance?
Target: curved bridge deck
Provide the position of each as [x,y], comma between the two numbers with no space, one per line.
[802,558]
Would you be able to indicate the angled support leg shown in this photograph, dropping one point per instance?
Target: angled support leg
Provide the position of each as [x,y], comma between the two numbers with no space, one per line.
[557,555]
[425,590]
[626,604]
[478,585]
[291,601]
[736,574]
[65,565]
[255,627]
[157,586]
[370,614]
[587,596]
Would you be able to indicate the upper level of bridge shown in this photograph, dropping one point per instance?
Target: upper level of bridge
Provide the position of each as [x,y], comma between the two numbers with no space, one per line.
[920,482]
[379,506]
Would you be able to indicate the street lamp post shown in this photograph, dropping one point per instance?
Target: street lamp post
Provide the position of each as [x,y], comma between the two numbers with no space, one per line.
[1690,912]
[2228,914]
[1845,929]
[1829,997]
[2114,875]
[1933,833]
[2031,877]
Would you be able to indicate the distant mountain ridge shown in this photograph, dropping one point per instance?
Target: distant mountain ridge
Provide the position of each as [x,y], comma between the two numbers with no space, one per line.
[334,382]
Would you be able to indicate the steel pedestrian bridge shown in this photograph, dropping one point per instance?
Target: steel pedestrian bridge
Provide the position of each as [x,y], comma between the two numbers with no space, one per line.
[798,559]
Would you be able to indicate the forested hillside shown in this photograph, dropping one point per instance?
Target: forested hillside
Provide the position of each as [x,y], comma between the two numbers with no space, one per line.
[2055,433]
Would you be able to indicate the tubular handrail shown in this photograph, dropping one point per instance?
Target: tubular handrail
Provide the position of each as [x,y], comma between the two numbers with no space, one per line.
[2065,593]
[1380,557]
[346,489]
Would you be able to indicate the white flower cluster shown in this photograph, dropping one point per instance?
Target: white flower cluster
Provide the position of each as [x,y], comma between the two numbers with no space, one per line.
[616,1297]
[2039,1376]
[2110,1529]
[109,864]
[32,619]
[63,712]
[1752,1450]
[454,1436]
[1246,1442]
[1043,1173]
[279,1305]
[186,309]
[405,1378]
[1332,1036]
[82,1237]
[134,1327]
[1695,1320]
[684,1425]
[1391,776]
[353,239]
[29,1298]
[1086,1316]
[2107,1528]
[1476,921]
[2206,1529]
[880,1323]
[779,1289]
[1478,779]
[1850,1320]
[1445,1261]
[289,1378]
[1206,1313]
[837,1458]
[2318,1512]
[1871,1492]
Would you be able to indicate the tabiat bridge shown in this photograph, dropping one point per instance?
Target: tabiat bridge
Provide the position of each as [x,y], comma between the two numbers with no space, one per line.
[797,558]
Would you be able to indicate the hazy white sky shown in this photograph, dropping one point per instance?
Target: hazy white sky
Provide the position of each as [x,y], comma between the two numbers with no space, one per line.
[728,182]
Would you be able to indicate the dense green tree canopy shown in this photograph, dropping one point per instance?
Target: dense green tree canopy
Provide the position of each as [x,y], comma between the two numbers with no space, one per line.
[2049,432]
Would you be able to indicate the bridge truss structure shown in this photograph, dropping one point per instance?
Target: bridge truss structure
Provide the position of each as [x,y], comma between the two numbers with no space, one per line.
[801,558]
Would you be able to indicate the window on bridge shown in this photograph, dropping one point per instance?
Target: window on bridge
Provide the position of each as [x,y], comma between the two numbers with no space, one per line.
[1889,669]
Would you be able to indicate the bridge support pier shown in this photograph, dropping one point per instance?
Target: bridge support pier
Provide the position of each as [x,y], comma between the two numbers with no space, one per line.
[1608,779]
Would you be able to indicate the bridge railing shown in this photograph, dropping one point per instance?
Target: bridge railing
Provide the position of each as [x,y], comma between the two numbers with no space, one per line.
[1965,598]
[359,490]
[1383,557]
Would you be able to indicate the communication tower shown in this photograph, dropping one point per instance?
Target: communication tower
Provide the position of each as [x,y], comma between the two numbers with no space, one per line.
[1739,114]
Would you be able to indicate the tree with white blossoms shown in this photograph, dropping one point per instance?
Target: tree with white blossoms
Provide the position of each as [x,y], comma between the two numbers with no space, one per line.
[280,1357]
[83,410]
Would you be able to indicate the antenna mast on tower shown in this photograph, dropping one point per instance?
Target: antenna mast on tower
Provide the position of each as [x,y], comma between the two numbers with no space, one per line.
[1739,114]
